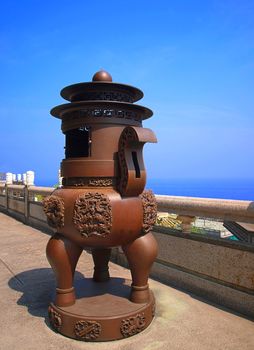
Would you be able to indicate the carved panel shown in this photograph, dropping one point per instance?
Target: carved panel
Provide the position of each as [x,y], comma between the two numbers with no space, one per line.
[127,135]
[54,318]
[93,214]
[133,325]
[53,207]
[97,112]
[100,182]
[149,210]
[88,182]
[87,330]
[106,96]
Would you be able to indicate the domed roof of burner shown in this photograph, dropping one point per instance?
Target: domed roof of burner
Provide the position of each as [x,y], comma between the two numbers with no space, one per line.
[101,88]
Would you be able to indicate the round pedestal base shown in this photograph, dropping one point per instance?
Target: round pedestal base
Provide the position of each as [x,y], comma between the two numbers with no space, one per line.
[102,312]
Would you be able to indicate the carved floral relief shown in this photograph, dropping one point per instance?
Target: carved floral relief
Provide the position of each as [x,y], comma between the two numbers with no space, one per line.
[87,330]
[149,210]
[133,325]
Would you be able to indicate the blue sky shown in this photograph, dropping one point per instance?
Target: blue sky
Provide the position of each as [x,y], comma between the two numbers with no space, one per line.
[194,60]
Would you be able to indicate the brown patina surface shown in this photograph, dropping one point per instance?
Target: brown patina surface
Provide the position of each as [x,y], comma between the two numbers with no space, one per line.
[102,204]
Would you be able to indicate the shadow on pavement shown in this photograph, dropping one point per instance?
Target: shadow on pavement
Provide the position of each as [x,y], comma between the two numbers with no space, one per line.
[38,288]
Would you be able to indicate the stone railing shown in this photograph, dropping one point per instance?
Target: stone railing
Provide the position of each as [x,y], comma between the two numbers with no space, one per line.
[223,209]
[215,269]
[190,208]
[24,203]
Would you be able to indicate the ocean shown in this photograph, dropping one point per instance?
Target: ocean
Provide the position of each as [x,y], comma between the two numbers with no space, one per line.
[241,189]
[205,188]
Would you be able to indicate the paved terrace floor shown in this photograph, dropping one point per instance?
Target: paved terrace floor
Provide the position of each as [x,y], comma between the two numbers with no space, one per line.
[27,285]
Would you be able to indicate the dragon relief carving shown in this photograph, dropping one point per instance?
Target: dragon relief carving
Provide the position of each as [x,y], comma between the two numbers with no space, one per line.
[93,214]
[54,318]
[133,325]
[53,207]
[87,330]
[149,210]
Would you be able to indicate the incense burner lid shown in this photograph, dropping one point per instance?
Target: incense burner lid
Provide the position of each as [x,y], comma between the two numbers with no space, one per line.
[101,88]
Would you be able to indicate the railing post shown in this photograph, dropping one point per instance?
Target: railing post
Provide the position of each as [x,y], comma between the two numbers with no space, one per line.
[26,198]
[30,178]
[24,178]
[6,197]
[186,222]
[60,179]
[9,181]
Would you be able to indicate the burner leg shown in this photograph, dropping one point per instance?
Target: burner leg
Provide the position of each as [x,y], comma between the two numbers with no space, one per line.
[63,256]
[141,254]
[101,258]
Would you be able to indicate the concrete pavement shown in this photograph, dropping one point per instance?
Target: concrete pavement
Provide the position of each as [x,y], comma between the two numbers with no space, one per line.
[27,286]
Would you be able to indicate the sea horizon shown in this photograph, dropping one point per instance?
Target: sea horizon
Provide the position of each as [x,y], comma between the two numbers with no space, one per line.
[238,189]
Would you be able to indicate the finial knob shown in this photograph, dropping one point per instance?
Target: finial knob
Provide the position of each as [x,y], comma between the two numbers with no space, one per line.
[102,75]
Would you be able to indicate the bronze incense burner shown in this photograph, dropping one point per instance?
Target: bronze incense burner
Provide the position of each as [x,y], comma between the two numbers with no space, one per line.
[101,205]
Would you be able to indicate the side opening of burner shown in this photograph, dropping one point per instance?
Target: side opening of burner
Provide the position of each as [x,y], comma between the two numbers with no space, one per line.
[78,142]
[136,165]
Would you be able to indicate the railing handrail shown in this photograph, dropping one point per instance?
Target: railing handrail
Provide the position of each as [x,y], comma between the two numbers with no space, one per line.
[16,187]
[40,189]
[224,209]
[32,189]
